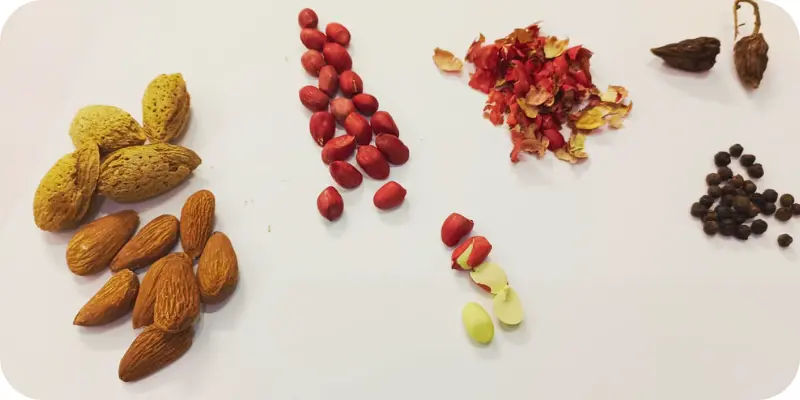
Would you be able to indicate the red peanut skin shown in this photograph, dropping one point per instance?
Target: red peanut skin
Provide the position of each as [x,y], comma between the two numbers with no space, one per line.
[328,80]
[350,83]
[454,228]
[389,196]
[358,126]
[338,148]
[313,39]
[313,98]
[322,127]
[382,122]
[312,62]
[330,204]
[480,250]
[345,174]
[342,107]
[337,33]
[370,159]
[307,18]
[337,56]
[392,148]
[366,104]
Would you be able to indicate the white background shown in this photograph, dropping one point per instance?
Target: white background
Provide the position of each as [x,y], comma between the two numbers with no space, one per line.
[8,6]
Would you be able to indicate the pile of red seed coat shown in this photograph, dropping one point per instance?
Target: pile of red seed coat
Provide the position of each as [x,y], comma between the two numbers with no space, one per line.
[327,58]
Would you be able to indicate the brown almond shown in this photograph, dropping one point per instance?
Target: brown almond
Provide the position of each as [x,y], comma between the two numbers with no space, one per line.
[197,219]
[217,270]
[151,351]
[177,299]
[152,242]
[94,245]
[146,299]
[111,302]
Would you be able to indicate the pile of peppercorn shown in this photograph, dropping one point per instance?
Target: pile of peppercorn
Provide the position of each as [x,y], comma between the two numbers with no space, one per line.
[738,200]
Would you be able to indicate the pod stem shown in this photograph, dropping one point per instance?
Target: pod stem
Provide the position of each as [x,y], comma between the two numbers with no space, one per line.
[756,12]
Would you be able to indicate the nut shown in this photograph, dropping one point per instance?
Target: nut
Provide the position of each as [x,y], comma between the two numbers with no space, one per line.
[307,18]
[328,80]
[389,196]
[330,203]
[313,98]
[337,56]
[111,302]
[338,33]
[455,227]
[392,148]
[341,108]
[477,323]
[165,108]
[370,159]
[312,61]
[508,307]
[65,193]
[141,172]
[217,270]
[350,83]
[152,242]
[322,127]
[338,148]
[313,39]
[177,301]
[471,253]
[382,122]
[197,219]
[151,351]
[345,174]
[96,243]
[146,299]
[366,104]
[110,127]
[358,126]
[489,277]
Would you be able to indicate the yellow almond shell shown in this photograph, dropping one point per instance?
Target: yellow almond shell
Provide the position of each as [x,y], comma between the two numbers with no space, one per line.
[110,127]
[65,193]
[165,107]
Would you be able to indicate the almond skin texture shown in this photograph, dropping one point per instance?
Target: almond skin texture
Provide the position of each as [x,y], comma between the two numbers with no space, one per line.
[350,83]
[366,104]
[112,128]
[96,243]
[382,122]
[146,299]
[337,33]
[197,220]
[313,39]
[177,299]
[328,80]
[370,159]
[389,196]
[330,204]
[358,126]
[341,108]
[142,172]
[345,174]
[307,18]
[151,351]
[312,61]
[454,228]
[114,300]
[65,193]
[392,148]
[165,107]
[322,127]
[338,148]
[217,270]
[337,56]
[152,242]
[313,98]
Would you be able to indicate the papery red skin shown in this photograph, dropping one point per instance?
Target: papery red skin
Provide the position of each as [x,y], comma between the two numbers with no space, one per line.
[395,151]
[345,174]
[454,228]
[382,122]
[358,126]
[322,127]
[307,18]
[313,38]
[389,196]
[342,107]
[338,148]
[370,159]
[350,83]
[336,32]
[484,287]
[312,61]
[330,204]
[480,250]
[556,139]
[313,98]
[328,80]
[337,56]
[366,104]
[487,57]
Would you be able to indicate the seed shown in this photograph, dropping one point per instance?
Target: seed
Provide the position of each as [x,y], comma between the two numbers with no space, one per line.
[747,160]
[740,192]
[741,204]
[784,240]
[770,196]
[736,150]
[743,232]
[783,214]
[722,159]
[754,211]
[796,209]
[757,199]
[758,226]
[750,187]
[724,212]
[725,173]
[706,201]
[787,200]
[728,188]
[713,179]
[768,209]
[755,171]
[727,227]
[715,191]
[739,218]
[727,200]
[711,228]
[698,210]
[710,216]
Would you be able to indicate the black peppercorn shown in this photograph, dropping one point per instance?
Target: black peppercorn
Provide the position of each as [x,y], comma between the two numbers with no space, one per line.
[740,192]
[770,196]
[755,171]
[711,228]
[736,150]
[754,211]
[796,209]
[698,210]
[710,216]
[738,181]
[728,188]
[725,173]
[787,200]
[757,199]
[722,159]
[741,204]
[727,227]
[713,179]
[706,200]
[747,160]
[715,191]
[739,218]
[783,214]
[724,212]
[758,226]
[742,232]
[784,240]
[750,187]
[726,200]
[769,209]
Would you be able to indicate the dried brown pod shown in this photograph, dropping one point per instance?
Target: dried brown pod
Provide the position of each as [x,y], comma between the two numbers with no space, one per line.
[693,55]
[750,52]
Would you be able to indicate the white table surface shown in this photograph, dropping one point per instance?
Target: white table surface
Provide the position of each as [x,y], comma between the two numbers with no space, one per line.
[625,297]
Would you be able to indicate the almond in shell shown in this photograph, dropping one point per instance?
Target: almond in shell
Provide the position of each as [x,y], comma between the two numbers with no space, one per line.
[65,193]
[197,219]
[152,242]
[151,351]
[96,243]
[217,270]
[165,107]
[114,300]
[177,301]
[112,128]
[146,299]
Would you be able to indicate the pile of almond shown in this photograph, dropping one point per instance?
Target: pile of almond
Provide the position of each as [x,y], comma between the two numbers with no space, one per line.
[327,58]
[168,301]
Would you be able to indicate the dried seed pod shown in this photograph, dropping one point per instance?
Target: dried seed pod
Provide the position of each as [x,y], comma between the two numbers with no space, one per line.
[750,52]
[693,55]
